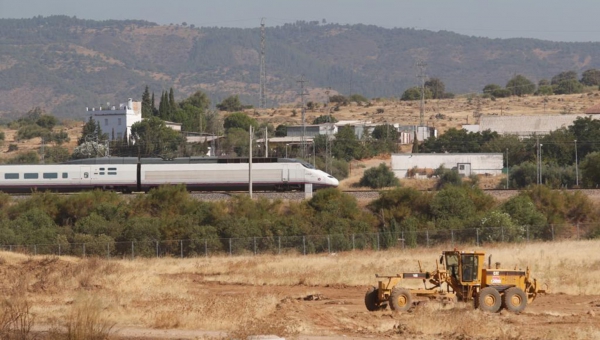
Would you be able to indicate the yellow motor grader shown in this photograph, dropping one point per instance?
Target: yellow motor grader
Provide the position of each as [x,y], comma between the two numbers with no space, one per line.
[459,276]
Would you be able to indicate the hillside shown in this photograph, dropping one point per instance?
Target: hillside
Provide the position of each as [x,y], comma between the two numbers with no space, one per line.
[65,64]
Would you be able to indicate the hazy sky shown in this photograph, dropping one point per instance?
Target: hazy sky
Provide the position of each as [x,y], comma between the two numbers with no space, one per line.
[557,20]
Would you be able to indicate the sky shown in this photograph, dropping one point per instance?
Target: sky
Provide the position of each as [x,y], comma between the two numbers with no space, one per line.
[555,20]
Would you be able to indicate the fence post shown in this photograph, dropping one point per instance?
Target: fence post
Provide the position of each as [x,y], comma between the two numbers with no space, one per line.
[577,225]
[59,249]
[205,248]
[35,249]
[132,251]
[108,251]
[527,227]
[181,243]
[377,241]
[477,237]
[84,250]
[452,237]
[229,246]
[279,245]
[254,240]
[502,232]
[427,235]
[304,245]
[552,228]
[353,242]
[156,248]
[328,244]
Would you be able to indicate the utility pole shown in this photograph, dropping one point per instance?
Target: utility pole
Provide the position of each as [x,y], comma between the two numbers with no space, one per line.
[507,171]
[302,94]
[576,166]
[329,128]
[263,73]
[421,65]
[250,164]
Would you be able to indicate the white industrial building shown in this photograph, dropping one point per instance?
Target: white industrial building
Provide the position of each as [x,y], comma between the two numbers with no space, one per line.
[423,164]
[117,121]
[525,126]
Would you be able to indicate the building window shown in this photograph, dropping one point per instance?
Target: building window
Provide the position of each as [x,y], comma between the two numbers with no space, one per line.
[11,176]
[119,121]
[106,121]
[50,175]
[31,176]
[65,175]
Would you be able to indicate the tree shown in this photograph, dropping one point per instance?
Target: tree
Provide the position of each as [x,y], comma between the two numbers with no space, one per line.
[437,88]
[338,99]
[230,104]
[519,86]
[385,132]
[567,75]
[568,86]
[199,99]
[153,138]
[146,103]
[347,146]
[358,98]
[591,77]
[490,88]
[414,93]
[324,119]
[47,121]
[281,130]
[91,131]
[379,177]
[590,170]
[239,120]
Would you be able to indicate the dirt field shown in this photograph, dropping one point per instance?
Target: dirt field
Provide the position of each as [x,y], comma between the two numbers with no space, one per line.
[302,297]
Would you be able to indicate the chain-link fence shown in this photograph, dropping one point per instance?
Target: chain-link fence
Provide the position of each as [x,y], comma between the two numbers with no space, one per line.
[307,244]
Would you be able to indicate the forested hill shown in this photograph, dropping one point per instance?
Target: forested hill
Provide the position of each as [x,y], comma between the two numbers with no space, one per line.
[64,64]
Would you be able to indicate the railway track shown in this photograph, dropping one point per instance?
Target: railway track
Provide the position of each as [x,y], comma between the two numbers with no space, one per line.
[364,195]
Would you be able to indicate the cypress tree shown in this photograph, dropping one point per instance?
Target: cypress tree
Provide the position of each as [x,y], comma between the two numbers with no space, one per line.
[154,110]
[146,103]
[172,104]
[415,148]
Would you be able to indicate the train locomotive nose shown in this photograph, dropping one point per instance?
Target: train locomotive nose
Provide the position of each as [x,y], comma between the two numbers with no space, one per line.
[332,181]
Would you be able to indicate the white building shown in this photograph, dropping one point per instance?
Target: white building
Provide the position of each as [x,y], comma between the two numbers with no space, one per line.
[465,163]
[117,121]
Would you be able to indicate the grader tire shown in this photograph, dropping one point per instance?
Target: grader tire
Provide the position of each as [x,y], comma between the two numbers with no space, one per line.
[372,301]
[514,300]
[489,300]
[400,299]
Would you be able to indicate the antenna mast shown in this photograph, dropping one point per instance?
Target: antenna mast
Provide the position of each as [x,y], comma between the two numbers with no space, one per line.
[421,65]
[302,94]
[263,73]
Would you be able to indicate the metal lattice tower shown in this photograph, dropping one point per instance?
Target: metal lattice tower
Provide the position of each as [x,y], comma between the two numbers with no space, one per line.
[302,94]
[263,73]
[421,65]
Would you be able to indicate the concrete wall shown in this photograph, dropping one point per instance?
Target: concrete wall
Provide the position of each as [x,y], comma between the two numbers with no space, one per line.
[479,163]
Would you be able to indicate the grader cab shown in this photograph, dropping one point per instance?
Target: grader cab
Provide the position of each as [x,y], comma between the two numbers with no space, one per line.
[459,276]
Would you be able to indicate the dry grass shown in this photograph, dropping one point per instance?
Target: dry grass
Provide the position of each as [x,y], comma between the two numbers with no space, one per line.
[244,295]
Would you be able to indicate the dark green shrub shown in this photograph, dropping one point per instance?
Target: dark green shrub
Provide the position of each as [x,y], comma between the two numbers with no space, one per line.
[379,177]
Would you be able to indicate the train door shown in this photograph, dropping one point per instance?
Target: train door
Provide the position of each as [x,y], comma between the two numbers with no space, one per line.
[285,174]
[85,175]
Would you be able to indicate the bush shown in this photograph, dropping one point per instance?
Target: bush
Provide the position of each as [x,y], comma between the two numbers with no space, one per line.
[13,147]
[379,177]
[447,177]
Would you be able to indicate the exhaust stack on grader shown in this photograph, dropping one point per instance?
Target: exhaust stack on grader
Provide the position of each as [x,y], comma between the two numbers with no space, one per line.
[459,276]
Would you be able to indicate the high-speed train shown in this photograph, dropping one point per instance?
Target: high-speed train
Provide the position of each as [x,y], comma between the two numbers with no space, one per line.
[129,174]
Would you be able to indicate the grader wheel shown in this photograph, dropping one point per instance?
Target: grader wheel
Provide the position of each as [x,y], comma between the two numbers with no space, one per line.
[372,300]
[400,299]
[489,300]
[515,300]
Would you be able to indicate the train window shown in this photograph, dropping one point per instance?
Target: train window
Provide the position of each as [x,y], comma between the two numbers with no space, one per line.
[112,172]
[112,169]
[50,175]
[11,176]
[102,173]
[102,169]
[31,175]
[65,175]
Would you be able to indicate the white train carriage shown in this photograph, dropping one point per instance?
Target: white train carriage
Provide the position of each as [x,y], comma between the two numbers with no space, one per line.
[234,176]
[67,177]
